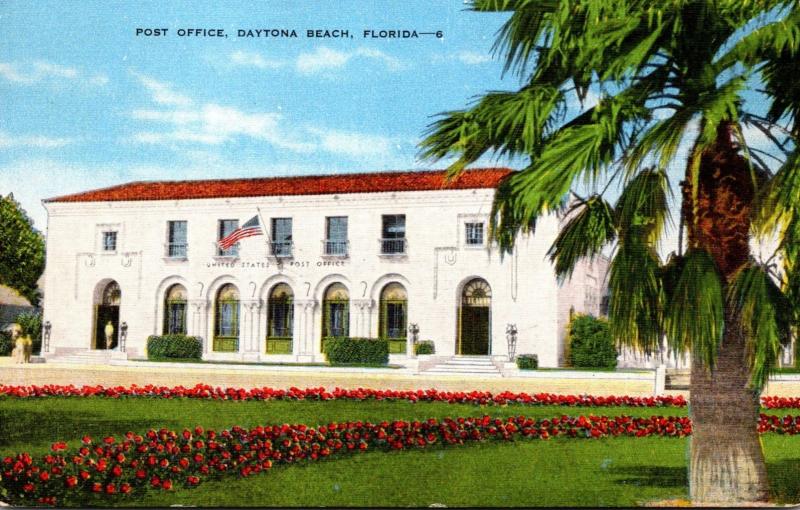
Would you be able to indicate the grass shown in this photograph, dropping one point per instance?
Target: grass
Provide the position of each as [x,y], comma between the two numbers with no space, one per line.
[559,472]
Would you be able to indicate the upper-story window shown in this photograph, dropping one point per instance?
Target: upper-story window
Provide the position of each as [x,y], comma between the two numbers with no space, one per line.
[474,233]
[393,241]
[335,236]
[282,237]
[110,240]
[176,239]
[224,228]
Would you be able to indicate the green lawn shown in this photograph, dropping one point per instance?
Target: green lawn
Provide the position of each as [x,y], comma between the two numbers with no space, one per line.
[558,472]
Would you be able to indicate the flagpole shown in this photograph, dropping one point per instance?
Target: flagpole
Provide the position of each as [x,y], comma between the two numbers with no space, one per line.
[264,226]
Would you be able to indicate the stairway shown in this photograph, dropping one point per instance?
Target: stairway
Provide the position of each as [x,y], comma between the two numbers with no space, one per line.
[87,357]
[466,365]
[677,379]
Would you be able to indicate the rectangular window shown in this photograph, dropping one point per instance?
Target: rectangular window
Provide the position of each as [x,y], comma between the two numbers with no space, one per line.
[175,319]
[224,228]
[336,235]
[395,321]
[474,233]
[176,239]
[282,237]
[110,241]
[394,234]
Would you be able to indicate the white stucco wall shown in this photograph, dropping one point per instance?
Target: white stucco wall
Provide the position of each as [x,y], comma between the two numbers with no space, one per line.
[524,289]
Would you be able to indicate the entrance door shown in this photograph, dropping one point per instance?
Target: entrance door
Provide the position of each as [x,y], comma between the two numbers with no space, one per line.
[106,314]
[107,311]
[475,319]
[475,330]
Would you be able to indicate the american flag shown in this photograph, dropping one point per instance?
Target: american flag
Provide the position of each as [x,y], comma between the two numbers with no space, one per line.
[252,227]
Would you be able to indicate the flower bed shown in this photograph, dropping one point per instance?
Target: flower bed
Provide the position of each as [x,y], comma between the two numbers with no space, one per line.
[204,391]
[163,459]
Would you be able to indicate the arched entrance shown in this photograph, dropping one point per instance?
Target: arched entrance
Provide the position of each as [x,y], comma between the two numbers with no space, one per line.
[280,320]
[107,317]
[475,318]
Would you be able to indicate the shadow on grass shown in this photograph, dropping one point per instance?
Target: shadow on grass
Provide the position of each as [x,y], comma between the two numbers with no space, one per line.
[651,476]
[48,426]
[784,480]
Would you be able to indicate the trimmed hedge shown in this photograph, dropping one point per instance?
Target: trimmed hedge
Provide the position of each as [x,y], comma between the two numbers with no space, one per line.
[424,347]
[5,343]
[591,344]
[31,325]
[527,361]
[349,350]
[174,346]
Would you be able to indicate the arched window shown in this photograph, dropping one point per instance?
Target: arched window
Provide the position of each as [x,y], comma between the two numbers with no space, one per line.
[111,294]
[336,311]
[475,316]
[175,310]
[226,319]
[393,316]
[280,320]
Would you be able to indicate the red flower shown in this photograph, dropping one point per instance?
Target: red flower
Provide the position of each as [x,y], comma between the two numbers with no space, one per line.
[167,485]
[57,447]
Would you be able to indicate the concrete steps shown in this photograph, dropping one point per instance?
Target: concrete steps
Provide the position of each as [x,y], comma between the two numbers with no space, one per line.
[466,365]
[677,379]
[97,357]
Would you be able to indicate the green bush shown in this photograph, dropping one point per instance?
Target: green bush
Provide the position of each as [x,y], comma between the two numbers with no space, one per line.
[5,343]
[31,325]
[174,346]
[527,361]
[590,343]
[424,347]
[347,350]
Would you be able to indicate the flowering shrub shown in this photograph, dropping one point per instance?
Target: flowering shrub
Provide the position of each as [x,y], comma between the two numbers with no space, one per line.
[165,459]
[204,391]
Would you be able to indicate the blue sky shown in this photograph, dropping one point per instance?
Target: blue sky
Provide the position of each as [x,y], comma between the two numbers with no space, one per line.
[87,103]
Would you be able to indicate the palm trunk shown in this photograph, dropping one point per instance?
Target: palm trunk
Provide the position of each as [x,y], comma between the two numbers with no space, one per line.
[727,462]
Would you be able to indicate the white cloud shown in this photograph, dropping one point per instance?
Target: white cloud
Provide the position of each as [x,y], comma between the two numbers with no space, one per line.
[326,59]
[8,141]
[42,71]
[162,93]
[354,145]
[253,59]
[188,125]
[473,58]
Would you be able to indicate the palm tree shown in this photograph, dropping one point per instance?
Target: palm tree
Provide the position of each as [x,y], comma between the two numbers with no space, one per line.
[701,74]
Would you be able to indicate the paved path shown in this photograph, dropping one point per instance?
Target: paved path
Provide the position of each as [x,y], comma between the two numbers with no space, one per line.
[215,375]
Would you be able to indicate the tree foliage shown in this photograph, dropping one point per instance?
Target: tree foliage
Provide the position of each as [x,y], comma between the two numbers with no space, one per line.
[21,250]
[590,343]
[611,90]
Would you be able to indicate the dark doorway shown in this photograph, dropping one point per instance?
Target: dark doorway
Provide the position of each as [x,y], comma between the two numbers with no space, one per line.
[474,335]
[107,311]
[106,314]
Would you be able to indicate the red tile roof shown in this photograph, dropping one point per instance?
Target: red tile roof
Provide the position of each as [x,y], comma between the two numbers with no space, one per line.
[474,178]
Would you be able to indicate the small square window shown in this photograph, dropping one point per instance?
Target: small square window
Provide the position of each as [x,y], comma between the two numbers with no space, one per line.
[110,241]
[474,233]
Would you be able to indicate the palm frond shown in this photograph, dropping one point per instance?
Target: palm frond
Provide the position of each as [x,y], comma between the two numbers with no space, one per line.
[776,204]
[585,235]
[694,316]
[766,320]
[643,206]
[505,123]
[636,298]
